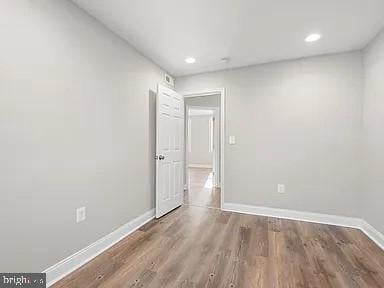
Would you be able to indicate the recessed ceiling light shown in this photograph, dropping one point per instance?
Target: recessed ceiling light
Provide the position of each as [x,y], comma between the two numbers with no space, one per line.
[190,60]
[312,38]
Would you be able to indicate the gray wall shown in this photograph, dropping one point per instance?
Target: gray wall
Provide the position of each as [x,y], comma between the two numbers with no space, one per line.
[199,137]
[373,193]
[297,123]
[75,103]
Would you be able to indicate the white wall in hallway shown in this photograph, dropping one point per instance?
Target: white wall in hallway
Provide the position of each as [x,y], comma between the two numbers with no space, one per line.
[198,150]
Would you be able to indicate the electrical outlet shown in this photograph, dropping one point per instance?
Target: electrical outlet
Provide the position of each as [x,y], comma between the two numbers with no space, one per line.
[80,214]
[281,188]
[232,140]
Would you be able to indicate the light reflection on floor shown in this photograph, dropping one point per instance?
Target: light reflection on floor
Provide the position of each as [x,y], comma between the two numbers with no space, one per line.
[201,190]
[209,183]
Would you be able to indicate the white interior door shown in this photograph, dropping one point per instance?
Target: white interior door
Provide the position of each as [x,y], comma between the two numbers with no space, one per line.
[169,150]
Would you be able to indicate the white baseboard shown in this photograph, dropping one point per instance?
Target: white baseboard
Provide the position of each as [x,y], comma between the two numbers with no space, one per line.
[351,222]
[75,261]
[372,233]
[208,166]
[294,215]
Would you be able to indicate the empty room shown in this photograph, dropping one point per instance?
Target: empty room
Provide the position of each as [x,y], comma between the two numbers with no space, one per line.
[176,143]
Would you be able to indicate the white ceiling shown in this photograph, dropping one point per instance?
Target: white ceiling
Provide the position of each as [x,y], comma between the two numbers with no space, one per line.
[247,31]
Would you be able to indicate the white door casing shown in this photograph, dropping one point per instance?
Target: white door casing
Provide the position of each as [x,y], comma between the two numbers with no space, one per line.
[169,150]
[216,151]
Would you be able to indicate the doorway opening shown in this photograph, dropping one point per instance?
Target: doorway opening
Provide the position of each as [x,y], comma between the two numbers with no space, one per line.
[204,153]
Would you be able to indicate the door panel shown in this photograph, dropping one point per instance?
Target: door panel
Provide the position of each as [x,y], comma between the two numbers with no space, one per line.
[178,170]
[169,150]
[165,178]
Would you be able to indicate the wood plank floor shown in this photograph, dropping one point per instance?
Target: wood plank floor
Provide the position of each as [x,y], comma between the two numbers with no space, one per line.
[200,247]
[201,192]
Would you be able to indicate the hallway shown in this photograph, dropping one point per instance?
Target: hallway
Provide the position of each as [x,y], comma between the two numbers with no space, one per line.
[201,191]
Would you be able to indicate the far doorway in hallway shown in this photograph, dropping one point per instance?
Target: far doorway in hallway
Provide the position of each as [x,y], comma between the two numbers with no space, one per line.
[203,155]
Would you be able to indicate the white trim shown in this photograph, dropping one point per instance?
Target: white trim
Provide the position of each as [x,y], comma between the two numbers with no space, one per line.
[351,222]
[372,233]
[204,92]
[223,127]
[293,215]
[78,259]
[194,107]
[200,166]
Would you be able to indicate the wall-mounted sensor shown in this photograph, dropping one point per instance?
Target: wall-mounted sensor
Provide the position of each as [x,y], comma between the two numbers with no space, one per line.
[169,80]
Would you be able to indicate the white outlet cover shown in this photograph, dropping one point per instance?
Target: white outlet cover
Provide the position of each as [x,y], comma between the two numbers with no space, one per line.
[281,188]
[80,214]
[232,140]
